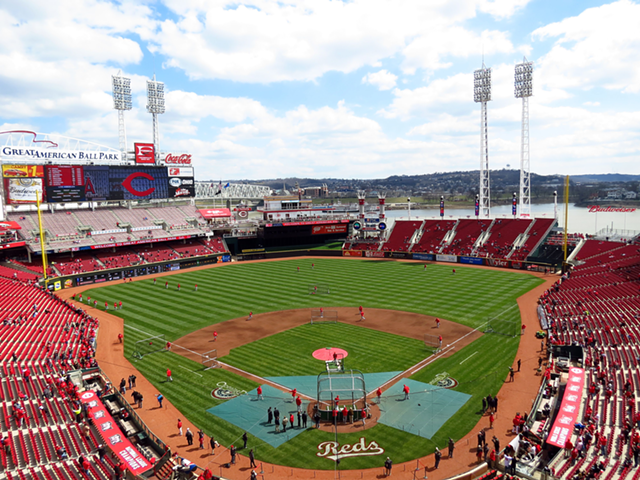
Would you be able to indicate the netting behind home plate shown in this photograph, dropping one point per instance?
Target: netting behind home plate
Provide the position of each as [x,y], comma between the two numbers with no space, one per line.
[348,384]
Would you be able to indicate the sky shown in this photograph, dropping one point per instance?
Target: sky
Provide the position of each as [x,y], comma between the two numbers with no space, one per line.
[342,89]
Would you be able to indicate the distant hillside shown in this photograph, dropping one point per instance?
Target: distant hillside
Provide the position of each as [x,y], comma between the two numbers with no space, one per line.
[606,178]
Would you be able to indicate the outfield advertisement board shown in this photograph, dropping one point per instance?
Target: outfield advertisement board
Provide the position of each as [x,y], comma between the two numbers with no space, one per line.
[373,254]
[424,256]
[447,258]
[471,260]
[352,253]
[327,229]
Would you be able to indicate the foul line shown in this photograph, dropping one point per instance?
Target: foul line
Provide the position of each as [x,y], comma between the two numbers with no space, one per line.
[264,380]
[173,344]
[468,358]
[189,370]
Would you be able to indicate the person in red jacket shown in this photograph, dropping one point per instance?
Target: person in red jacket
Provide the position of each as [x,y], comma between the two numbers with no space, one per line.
[299,404]
[169,377]
[179,427]
[259,391]
[379,395]
[405,389]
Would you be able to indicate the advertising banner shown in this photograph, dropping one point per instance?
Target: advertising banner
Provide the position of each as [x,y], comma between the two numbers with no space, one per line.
[145,153]
[209,213]
[31,171]
[135,462]
[569,408]
[400,255]
[373,254]
[351,253]
[181,183]
[498,262]
[471,260]
[424,256]
[447,258]
[23,190]
[297,224]
[327,229]
[180,171]
[12,245]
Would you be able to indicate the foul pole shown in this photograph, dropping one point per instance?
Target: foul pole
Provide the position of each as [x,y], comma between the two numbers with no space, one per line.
[566,220]
[42,240]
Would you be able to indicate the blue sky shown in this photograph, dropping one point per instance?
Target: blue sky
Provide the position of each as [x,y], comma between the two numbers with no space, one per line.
[318,88]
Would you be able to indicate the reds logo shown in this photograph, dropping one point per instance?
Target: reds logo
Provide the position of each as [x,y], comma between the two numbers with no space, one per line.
[138,193]
[145,153]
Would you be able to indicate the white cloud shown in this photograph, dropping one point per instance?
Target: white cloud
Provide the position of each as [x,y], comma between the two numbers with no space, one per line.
[598,47]
[194,106]
[267,41]
[382,79]
[446,91]
[502,8]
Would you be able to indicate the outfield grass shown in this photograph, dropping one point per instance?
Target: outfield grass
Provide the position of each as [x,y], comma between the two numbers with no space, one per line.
[472,296]
[273,356]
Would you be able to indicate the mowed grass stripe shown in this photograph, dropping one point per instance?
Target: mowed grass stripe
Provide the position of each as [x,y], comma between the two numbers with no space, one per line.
[369,351]
[471,297]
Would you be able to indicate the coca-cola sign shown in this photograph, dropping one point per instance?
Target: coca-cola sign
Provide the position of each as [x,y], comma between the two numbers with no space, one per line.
[183,159]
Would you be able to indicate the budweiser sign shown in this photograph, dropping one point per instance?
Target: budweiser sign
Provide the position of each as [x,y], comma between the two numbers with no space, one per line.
[184,159]
[334,451]
[599,209]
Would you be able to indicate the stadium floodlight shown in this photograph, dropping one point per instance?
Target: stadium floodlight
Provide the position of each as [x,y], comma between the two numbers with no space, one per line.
[482,95]
[155,106]
[524,89]
[121,101]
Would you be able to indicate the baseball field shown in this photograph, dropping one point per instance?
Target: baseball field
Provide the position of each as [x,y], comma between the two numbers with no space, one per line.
[404,295]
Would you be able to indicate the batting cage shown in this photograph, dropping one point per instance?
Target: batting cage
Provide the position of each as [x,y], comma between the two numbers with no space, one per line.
[149,345]
[347,386]
[319,289]
[324,316]
[433,342]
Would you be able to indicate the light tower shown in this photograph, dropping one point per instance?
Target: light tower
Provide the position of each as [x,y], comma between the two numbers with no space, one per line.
[524,89]
[155,106]
[121,102]
[482,95]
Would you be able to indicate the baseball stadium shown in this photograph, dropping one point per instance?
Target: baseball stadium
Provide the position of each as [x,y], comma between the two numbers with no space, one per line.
[154,325]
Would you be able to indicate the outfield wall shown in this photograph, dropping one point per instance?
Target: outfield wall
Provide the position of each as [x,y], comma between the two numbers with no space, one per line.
[455,259]
[122,273]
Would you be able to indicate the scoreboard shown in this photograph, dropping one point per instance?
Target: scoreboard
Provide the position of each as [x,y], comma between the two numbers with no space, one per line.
[79,183]
[65,183]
